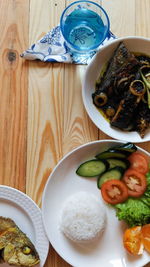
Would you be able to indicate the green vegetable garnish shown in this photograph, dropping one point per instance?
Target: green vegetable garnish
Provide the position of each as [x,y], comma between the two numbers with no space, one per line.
[136,211]
[148,97]
[146,197]
[146,80]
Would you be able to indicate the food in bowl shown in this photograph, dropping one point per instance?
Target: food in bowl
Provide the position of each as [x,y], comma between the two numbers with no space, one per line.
[122,91]
[83,217]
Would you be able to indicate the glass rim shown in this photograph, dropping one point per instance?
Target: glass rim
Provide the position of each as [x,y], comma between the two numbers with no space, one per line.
[95,4]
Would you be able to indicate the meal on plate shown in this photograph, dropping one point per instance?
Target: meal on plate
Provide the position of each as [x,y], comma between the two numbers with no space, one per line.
[15,247]
[123,177]
[83,217]
[122,91]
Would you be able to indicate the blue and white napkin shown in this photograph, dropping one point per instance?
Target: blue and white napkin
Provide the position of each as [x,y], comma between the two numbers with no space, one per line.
[52,48]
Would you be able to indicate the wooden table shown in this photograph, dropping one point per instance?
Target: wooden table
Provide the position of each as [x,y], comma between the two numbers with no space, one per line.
[41,111]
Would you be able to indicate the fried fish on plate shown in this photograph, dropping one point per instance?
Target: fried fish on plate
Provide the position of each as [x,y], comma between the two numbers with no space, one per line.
[15,247]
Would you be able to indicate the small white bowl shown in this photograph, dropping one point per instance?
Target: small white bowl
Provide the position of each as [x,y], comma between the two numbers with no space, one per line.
[134,44]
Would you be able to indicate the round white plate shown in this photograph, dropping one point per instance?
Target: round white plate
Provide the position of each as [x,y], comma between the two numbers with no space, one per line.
[27,215]
[62,183]
[134,44]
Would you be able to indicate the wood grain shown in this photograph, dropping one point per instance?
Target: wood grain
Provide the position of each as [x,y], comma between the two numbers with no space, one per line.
[45,109]
[122,16]
[42,113]
[13,91]
[45,104]
[78,129]
[142,18]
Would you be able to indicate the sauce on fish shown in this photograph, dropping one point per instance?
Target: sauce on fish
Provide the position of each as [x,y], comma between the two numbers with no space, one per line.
[115,99]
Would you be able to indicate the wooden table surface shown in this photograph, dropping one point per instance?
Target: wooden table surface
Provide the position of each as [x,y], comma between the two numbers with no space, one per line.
[41,110]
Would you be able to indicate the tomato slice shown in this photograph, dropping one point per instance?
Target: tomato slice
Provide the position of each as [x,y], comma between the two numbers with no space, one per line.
[139,162]
[146,236]
[114,191]
[135,182]
[132,240]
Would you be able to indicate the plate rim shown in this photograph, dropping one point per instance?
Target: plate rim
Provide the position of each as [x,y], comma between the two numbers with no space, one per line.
[50,177]
[33,211]
[138,138]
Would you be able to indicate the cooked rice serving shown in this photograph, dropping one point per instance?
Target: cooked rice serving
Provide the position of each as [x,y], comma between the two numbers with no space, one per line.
[82,217]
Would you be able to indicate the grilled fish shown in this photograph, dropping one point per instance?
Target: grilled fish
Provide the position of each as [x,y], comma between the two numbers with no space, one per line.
[121,65]
[15,247]
[124,113]
[142,120]
[121,91]
[124,116]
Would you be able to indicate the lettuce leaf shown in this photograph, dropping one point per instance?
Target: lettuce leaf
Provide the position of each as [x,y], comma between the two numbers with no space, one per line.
[136,211]
[146,197]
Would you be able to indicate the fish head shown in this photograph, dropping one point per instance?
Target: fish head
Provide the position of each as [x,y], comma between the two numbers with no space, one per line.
[25,255]
[15,247]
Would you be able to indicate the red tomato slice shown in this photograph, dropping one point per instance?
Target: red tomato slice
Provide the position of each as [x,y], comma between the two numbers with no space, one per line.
[139,162]
[114,191]
[135,182]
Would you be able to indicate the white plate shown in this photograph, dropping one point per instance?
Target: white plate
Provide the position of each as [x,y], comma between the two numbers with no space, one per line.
[27,215]
[135,44]
[63,182]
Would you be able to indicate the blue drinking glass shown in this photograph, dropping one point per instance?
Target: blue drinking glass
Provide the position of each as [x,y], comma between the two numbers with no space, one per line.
[84,26]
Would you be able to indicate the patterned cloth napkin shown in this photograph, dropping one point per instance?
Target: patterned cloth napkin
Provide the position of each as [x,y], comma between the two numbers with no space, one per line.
[52,48]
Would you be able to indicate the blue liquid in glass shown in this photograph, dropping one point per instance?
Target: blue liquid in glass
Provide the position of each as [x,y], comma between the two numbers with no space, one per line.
[84,29]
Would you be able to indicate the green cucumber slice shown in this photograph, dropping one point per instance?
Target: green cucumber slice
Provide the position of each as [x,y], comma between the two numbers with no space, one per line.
[92,168]
[128,147]
[122,151]
[113,162]
[111,153]
[114,173]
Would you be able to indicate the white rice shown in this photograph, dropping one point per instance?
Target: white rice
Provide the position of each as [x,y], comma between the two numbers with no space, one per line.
[82,217]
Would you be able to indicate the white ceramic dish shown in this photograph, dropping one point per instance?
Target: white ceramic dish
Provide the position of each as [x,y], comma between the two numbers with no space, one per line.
[62,183]
[27,215]
[134,44]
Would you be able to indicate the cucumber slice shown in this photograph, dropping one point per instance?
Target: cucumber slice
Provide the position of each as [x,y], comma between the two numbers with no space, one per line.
[122,151]
[92,168]
[128,147]
[114,173]
[111,153]
[124,163]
